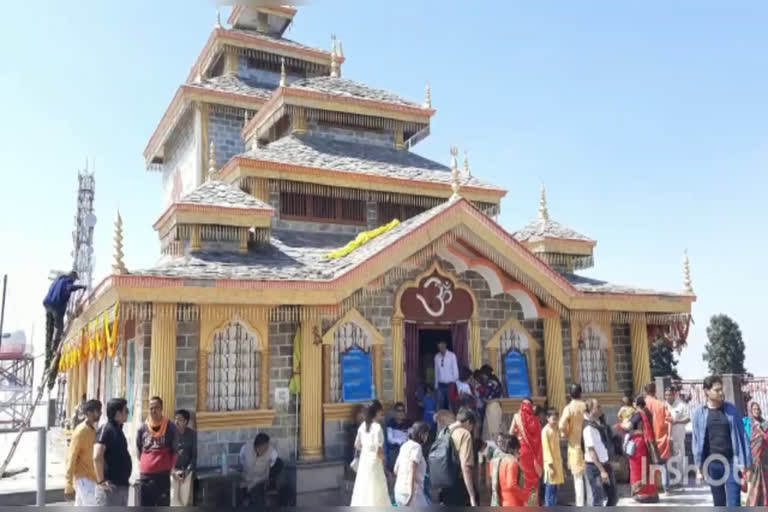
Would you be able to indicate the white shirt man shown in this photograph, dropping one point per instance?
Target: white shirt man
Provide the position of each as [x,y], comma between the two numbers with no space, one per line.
[678,411]
[446,373]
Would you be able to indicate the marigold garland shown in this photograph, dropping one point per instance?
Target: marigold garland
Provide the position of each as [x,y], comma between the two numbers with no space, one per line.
[111,335]
[361,239]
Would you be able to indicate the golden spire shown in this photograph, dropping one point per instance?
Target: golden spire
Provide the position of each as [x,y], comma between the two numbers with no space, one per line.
[427,97]
[118,266]
[455,186]
[543,212]
[211,161]
[283,78]
[687,284]
[334,61]
[467,172]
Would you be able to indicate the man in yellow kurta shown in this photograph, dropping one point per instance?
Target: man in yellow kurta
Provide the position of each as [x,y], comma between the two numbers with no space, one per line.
[571,424]
[553,459]
[80,478]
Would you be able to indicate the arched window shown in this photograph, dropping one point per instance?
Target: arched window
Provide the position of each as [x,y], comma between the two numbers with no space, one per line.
[346,337]
[233,369]
[593,360]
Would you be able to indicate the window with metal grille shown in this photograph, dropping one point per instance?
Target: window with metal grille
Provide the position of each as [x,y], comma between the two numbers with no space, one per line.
[593,361]
[322,208]
[233,369]
[344,338]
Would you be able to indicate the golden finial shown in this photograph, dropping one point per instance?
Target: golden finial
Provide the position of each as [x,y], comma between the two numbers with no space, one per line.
[340,50]
[455,172]
[218,18]
[427,97]
[283,78]
[118,266]
[467,172]
[687,284]
[543,212]
[334,60]
[211,161]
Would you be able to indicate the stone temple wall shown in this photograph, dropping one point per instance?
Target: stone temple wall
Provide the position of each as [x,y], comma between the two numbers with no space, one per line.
[224,128]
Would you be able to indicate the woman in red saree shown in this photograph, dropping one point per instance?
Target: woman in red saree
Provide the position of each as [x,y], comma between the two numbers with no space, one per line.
[527,428]
[643,482]
[757,494]
[507,481]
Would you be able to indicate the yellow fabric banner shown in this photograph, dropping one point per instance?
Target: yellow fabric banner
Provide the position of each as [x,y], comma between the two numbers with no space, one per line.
[361,239]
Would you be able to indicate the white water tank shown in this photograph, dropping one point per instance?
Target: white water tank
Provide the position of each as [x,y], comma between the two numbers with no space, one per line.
[14,343]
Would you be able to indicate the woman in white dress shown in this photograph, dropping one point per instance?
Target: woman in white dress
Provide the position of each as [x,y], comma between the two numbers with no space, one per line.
[370,483]
[411,468]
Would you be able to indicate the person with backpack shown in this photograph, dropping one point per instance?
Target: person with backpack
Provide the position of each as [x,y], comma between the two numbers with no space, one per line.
[452,459]
[596,455]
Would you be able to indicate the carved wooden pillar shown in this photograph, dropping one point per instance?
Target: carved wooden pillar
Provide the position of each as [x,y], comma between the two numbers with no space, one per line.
[300,121]
[575,332]
[377,377]
[398,364]
[493,359]
[202,379]
[311,417]
[162,360]
[82,387]
[264,374]
[399,144]
[475,345]
[641,362]
[326,374]
[607,329]
[243,239]
[194,238]
[553,362]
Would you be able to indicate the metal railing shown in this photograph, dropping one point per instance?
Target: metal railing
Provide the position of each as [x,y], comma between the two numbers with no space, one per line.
[755,389]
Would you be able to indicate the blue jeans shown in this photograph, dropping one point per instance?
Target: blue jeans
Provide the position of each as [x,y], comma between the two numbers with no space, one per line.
[442,396]
[550,495]
[727,494]
[603,493]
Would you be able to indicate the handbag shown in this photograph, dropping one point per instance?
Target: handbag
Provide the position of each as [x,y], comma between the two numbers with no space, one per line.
[629,446]
[355,462]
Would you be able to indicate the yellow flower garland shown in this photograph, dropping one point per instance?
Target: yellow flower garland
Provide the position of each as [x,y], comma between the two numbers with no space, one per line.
[361,239]
[111,337]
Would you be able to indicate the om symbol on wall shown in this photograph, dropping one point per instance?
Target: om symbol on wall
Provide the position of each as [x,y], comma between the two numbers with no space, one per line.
[435,299]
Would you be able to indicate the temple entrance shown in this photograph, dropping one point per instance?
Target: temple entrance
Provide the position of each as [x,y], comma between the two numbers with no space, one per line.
[433,308]
[428,340]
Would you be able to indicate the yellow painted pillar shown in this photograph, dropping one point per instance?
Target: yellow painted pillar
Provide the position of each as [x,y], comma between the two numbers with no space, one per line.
[326,374]
[493,359]
[553,362]
[264,376]
[377,370]
[641,359]
[398,362]
[475,345]
[82,388]
[72,381]
[162,359]
[311,405]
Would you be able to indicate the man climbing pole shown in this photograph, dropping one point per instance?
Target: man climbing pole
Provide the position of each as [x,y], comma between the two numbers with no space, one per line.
[55,304]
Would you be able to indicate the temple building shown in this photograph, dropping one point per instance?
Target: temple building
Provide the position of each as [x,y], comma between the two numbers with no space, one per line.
[304,246]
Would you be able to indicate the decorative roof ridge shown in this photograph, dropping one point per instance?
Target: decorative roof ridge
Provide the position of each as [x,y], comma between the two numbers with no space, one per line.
[245,36]
[269,164]
[282,92]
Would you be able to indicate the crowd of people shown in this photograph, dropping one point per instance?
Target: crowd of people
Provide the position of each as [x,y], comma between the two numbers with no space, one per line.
[99,466]
[455,455]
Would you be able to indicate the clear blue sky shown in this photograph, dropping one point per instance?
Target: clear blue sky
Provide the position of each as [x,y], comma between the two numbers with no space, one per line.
[645,119]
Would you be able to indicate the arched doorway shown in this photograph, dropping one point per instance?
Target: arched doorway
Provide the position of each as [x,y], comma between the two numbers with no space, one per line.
[433,308]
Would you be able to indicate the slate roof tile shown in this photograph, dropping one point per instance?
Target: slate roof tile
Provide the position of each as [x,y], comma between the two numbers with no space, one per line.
[235,84]
[315,150]
[218,193]
[547,228]
[351,89]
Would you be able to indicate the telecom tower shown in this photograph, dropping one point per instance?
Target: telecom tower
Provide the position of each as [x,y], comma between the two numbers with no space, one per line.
[82,254]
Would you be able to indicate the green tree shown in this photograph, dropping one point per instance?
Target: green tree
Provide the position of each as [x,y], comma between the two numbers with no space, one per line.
[663,360]
[724,352]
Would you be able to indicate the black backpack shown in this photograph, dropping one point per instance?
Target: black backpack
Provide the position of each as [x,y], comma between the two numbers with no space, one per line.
[443,461]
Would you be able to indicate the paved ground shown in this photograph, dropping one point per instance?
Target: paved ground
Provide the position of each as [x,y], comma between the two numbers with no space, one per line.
[698,496]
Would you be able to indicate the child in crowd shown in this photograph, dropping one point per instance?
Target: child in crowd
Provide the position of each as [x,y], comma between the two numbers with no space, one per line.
[627,410]
[553,459]
[425,397]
